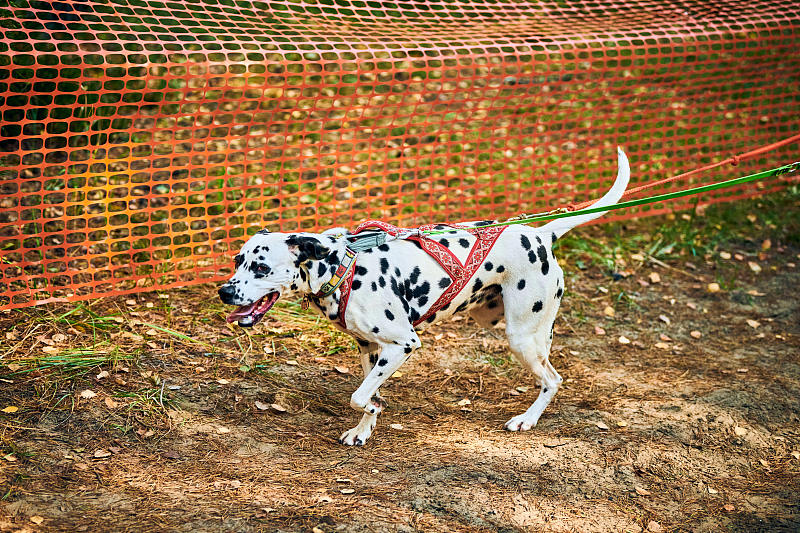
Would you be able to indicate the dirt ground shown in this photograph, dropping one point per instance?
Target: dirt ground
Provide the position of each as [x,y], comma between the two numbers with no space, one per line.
[679,412]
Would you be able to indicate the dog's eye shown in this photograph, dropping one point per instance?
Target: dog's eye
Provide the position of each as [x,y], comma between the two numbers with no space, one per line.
[260,268]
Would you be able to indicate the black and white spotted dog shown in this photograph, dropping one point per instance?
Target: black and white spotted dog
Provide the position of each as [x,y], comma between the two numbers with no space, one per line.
[395,283]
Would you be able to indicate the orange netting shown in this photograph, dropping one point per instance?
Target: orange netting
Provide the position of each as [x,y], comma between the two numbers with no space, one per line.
[143,140]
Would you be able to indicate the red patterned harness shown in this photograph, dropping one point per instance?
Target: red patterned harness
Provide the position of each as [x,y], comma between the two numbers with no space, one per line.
[458,272]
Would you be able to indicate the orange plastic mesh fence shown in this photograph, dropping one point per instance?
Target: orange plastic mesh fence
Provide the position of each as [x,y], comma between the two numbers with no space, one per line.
[142,141]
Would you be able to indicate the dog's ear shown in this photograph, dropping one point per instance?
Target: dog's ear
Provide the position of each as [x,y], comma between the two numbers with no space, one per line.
[307,248]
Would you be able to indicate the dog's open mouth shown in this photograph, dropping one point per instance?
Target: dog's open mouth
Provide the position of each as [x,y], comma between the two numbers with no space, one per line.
[249,315]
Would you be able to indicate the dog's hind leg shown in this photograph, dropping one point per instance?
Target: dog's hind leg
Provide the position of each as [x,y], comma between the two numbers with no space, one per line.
[532,349]
[359,434]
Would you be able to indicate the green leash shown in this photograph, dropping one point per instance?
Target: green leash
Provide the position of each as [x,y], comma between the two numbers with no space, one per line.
[786,169]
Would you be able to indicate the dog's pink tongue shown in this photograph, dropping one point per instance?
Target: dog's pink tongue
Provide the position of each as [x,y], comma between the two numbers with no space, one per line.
[242,311]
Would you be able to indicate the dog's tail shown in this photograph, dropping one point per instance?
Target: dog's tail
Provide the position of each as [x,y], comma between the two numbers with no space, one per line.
[562,225]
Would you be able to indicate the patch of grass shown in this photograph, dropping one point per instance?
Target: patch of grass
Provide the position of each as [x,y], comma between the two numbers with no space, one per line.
[72,363]
[177,334]
[83,318]
[154,400]
[497,361]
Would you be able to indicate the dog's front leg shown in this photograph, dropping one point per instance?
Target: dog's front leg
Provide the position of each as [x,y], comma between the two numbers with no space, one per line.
[359,434]
[365,398]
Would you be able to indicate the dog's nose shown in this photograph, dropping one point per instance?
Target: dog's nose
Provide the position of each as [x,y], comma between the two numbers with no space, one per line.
[226,294]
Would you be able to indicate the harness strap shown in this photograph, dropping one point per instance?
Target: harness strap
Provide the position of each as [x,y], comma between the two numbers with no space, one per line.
[345,267]
[366,240]
[459,273]
[344,295]
[483,245]
[442,254]
[343,272]
[384,226]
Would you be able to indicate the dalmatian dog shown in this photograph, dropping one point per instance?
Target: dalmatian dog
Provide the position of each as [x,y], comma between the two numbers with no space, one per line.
[395,283]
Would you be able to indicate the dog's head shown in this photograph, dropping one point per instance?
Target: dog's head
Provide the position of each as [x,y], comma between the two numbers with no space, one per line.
[269,265]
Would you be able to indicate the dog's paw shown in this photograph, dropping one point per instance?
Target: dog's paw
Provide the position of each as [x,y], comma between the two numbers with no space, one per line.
[358,435]
[522,422]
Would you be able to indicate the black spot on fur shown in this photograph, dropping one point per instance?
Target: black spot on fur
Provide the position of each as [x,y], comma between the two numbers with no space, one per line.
[444,242]
[389,314]
[407,293]
[397,272]
[383,362]
[333,259]
[321,269]
[495,322]
[501,269]
[356,284]
[362,343]
[413,314]
[525,242]
[375,330]
[374,287]
[373,357]
[422,290]
[361,271]
[414,277]
[381,281]
[309,248]
[444,283]
[493,304]
[542,251]
[383,247]
[532,256]
[488,266]
[554,237]
[521,284]
[384,265]
[416,243]
[422,301]
[559,292]
[537,307]
[396,289]
[477,286]
[464,243]
[408,349]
